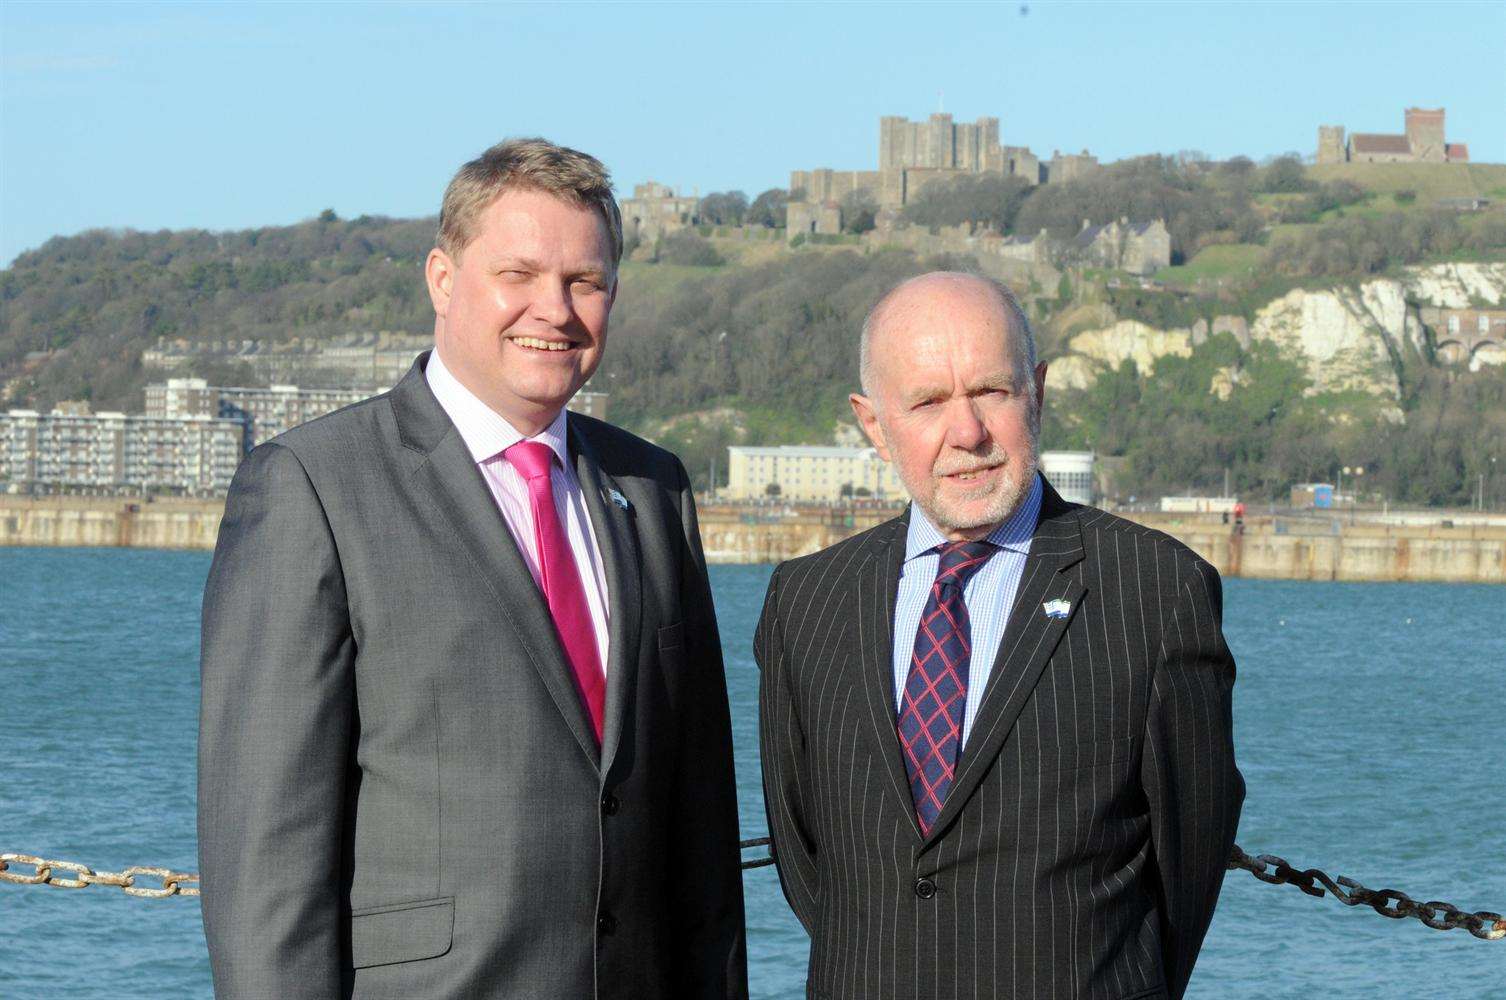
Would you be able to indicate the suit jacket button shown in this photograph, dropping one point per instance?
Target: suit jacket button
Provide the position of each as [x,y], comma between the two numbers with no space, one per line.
[925,888]
[606,923]
[609,805]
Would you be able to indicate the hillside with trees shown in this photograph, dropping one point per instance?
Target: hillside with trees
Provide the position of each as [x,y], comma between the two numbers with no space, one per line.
[719,340]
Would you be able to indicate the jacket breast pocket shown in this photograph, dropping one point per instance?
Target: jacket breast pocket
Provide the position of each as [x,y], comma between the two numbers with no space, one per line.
[401,932]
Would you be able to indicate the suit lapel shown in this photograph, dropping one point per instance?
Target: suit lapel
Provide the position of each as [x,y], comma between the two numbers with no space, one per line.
[1030,637]
[877,593]
[461,496]
[617,540]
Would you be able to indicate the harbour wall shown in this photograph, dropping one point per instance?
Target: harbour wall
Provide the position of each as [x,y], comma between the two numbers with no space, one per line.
[1315,547]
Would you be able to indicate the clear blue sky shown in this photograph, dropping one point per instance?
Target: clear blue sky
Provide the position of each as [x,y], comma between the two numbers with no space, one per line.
[226,116]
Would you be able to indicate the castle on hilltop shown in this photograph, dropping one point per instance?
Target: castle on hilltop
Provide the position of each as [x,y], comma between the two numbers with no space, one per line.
[655,210]
[1423,142]
[914,154]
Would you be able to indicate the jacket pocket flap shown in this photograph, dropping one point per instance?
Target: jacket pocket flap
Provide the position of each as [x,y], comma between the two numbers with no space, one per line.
[672,636]
[401,932]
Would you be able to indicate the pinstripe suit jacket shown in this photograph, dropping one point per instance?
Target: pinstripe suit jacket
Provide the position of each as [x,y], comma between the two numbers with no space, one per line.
[1082,846]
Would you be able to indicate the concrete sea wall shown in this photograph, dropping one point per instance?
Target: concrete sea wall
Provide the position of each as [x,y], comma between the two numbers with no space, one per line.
[1287,548]
[101,521]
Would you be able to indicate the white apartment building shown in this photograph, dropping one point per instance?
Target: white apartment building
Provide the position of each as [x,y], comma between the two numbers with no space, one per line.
[270,411]
[809,473]
[266,412]
[193,455]
[806,472]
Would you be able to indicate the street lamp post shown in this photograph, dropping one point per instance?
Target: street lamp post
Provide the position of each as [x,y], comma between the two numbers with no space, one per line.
[1354,472]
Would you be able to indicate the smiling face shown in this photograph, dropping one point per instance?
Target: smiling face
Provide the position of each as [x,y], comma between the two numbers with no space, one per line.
[520,318]
[951,404]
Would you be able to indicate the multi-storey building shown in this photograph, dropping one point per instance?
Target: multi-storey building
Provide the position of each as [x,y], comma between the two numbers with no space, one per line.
[377,360]
[114,452]
[270,411]
[810,473]
[825,474]
[266,412]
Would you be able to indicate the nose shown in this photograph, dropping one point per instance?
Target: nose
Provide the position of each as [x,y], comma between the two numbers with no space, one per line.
[551,303]
[965,429]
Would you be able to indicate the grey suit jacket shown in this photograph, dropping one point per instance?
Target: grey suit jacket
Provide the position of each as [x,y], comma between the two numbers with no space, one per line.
[399,792]
[1081,848]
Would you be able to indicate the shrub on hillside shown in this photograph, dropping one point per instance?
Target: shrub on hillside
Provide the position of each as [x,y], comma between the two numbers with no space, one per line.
[686,247]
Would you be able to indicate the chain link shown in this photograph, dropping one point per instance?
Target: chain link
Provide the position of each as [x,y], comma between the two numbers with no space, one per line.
[44,872]
[757,862]
[1391,903]
[1482,924]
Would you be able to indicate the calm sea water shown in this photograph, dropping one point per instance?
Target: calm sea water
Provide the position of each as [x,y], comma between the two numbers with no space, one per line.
[1370,721]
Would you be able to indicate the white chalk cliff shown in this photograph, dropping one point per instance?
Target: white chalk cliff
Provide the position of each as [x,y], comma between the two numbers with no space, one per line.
[1349,338]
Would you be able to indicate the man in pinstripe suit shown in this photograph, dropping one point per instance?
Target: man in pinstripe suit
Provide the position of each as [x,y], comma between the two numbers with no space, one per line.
[996,732]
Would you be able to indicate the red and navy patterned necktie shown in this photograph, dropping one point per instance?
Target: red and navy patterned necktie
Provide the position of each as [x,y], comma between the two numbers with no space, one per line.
[930,718]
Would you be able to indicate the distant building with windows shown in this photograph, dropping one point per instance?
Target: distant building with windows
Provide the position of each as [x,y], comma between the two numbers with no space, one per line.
[73,451]
[377,360]
[1070,473]
[266,412]
[1467,336]
[810,473]
[826,474]
[270,411]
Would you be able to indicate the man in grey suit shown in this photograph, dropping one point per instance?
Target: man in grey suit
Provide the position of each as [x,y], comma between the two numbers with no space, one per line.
[464,726]
[996,730]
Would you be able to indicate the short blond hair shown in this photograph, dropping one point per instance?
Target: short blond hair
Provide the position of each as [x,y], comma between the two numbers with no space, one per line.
[525,164]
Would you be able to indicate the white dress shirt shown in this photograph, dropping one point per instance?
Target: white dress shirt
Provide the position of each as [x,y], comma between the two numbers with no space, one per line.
[989,595]
[487,434]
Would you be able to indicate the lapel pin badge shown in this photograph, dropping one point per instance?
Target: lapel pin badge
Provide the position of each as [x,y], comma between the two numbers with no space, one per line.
[1057,608]
[618,499]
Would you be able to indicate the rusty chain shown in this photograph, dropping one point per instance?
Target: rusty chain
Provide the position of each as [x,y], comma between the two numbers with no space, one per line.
[1391,903]
[44,873]
[1440,916]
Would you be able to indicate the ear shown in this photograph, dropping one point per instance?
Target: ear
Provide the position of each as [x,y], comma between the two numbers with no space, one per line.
[439,275]
[1040,388]
[867,414]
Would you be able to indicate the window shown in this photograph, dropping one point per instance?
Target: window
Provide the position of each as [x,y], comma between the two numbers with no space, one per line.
[1453,324]
[1484,324]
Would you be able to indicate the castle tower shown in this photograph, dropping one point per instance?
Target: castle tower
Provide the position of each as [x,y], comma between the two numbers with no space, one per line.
[1425,134]
[1331,144]
[938,147]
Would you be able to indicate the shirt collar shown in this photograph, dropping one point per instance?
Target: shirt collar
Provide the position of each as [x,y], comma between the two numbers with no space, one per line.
[486,432]
[1014,534]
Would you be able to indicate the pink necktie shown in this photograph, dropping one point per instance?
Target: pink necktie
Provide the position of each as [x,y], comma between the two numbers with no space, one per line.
[562,578]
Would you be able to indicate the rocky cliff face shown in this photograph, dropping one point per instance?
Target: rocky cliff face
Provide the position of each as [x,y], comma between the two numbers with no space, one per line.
[1349,338]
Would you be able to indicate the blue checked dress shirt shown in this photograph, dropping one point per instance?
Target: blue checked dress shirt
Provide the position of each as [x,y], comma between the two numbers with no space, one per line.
[989,595]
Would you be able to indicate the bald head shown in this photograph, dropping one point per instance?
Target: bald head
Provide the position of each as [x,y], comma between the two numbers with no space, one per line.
[939,292]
